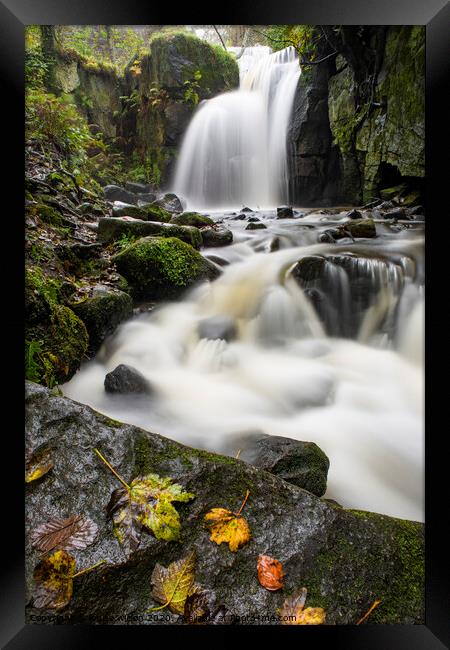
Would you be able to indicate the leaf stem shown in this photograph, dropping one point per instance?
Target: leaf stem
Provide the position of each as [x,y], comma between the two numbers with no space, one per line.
[243,503]
[113,470]
[369,611]
[94,566]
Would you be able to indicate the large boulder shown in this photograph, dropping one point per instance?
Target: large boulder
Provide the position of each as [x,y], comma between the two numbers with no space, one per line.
[192,219]
[346,559]
[116,193]
[216,237]
[158,268]
[169,202]
[144,211]
[102,312]
[302,463]
[111,229]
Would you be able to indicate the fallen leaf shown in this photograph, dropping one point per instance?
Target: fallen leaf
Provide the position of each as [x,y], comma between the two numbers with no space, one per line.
[270,573]
[75,532]
[369,611]
[53,578]
[38,465]
[228,527]
[196,607]
[146,504]
[172,585]
[292,611]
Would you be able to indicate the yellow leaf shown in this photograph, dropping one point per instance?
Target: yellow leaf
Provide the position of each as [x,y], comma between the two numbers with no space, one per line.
[38,465]
[227,527]
[292,611]
[53,578]
[172,585]
[312,616]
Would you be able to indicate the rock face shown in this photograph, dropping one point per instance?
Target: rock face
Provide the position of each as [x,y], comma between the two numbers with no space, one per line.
[111,229]
[346,559]
[157,267]
[102,313]
[302,463]
[125,379]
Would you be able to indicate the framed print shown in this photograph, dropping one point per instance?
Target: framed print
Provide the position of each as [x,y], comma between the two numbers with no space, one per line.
[223,264]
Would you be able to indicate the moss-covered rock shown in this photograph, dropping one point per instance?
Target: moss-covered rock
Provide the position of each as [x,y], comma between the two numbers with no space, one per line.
[192,219]
[102,313]
[158,267]
[346,559]
[112,229]
[56,339]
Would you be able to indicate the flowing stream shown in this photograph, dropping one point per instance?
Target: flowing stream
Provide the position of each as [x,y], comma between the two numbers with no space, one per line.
[337,361]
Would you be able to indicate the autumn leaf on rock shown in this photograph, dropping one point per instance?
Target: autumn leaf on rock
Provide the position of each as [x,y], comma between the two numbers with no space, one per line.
[270,573]
[53,581]
[73,533]
[228,527]
[53,578]
[172,585]
[292,611]
[38,465]
[196,607]
[145,503]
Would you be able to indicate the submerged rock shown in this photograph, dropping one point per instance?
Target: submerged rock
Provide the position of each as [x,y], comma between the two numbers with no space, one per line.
[125,379]
[346,559]
[255,226]
[157,267]
[217,327]
[216,237]
[301,463]
[102,313]
[285,212]
[111,229]
[354,214]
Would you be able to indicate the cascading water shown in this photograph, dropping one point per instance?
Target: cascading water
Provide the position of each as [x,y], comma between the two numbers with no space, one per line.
[234,151]
[288,369]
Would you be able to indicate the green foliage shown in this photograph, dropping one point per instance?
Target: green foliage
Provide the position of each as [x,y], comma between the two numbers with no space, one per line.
[33,369]
[302,37]
[191,94]
[36,67]
[125,241]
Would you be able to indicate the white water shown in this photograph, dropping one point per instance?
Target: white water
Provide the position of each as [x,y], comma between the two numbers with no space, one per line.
[359,399]
[234,151]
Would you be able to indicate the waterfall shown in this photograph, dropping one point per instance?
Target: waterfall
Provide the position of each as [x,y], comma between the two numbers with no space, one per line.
[234,152]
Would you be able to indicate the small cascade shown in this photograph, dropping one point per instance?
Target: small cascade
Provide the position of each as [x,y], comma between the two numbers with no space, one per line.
[234,151]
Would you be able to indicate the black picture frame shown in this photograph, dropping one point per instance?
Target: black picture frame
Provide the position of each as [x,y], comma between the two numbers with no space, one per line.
[14,15]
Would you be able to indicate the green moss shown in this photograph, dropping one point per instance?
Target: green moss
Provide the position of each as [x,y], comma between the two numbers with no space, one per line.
[161,267]
[192,219]
[156,213]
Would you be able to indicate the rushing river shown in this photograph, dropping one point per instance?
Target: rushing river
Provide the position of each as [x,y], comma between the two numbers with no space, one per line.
[351,381]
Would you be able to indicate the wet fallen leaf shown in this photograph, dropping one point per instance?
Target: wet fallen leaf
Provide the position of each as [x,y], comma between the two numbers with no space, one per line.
[368,613]
[292,611]
[270,573]
[53,580]
[145,503]
[228,527]
[196,607]
[172,585]
[38,465]
[75,532]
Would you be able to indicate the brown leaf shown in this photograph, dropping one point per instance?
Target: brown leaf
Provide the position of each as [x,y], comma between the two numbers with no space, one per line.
[196,607]
[74,533]
[270,573]
[172,585]
[53,581]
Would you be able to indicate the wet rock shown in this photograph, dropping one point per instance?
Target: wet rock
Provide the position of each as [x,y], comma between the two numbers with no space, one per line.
[170,202]
[354,214]
[246,209]
[111,229]
[145,198]
[138,188]
[359,228]
[192,219]
[253,220]
[346,558]
[301,463]
[116,193]
[397,213]
[125,379]
[216,237]
[102,312]
[121,209]
[329,236]
[386,205]
[309,268]
[275,244]
[161,268]
[239,217]
[255,226]
[284,212]
[217,327]
[221,261]
[418,209]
